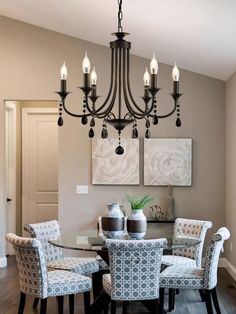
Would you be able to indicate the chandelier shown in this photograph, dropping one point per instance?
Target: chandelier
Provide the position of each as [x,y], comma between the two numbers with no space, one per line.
[119,108]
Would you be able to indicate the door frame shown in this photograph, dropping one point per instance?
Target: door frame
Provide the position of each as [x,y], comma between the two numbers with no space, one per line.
[10,168]
[25,146]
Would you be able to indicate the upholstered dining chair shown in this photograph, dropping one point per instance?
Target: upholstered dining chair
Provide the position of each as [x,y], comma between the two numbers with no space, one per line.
[134,271]
[54,255]
[195,277]
[36,281]
[192,256]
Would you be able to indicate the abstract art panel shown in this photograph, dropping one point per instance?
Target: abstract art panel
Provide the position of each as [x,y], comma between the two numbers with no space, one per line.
[168,161]
[110,168]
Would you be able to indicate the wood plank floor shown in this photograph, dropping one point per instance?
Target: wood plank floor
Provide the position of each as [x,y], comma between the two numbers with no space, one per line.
[187,302]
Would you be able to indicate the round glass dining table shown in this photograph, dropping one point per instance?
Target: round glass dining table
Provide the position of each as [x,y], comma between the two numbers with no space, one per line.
[94,241]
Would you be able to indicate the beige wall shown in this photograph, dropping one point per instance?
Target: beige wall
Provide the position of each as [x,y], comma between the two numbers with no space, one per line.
[30,60]
[230,161]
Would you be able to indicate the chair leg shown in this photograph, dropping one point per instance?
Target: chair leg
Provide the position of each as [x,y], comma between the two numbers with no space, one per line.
[43,306]
[87,302]
[171,300]
[22,303]
[208,302]
[60,303]
[97,283]
[215,300]
[35,304]
[124,309]
[106,309]
[113,307]
[155,306]
[202,295]
[161,300]
[71,303]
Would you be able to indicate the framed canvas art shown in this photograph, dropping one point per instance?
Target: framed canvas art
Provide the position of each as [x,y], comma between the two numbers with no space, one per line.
[168,161]
[108,168]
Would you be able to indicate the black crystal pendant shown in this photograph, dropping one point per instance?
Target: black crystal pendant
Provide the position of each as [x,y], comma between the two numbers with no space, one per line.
[178,122]
[155,120]
[104,133]
[119,150]
[84,119]
[60,121]
[92,123]
[91,133]
[147,124]
[134,133]
[147,133]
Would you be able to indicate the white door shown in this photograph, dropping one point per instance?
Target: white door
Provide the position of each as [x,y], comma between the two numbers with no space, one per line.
[39,165]
[10,169]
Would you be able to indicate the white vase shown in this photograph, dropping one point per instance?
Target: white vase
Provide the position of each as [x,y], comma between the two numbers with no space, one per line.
[137,224]
[113,223]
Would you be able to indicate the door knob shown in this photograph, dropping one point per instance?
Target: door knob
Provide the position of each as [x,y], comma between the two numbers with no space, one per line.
[9,199]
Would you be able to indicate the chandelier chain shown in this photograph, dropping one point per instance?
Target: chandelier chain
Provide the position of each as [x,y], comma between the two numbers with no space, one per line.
[120,17]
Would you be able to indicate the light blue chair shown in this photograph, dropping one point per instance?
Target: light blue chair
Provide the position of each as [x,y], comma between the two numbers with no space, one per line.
[195,277]
[134,271]
[36,281]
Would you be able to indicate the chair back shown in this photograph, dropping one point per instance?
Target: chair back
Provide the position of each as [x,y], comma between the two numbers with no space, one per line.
[31,265]
[194,229]
[135,268]
[44,231]
[212,257]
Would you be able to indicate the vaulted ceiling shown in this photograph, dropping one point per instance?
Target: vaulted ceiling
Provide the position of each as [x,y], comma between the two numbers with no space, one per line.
[200,35]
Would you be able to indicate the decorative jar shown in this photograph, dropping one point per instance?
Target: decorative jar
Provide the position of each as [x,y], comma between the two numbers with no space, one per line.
[113,224]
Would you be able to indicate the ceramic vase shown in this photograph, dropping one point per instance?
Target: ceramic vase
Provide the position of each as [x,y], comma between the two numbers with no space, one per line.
[113,224]
[137,224]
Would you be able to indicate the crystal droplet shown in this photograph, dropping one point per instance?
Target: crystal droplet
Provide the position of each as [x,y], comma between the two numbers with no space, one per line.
[178,122]
[92,123]
[60,121]
[84,119]
[147,133]
[155,120]
[119,150]
[104,133]
[91,133]
[134,133]
[147,124]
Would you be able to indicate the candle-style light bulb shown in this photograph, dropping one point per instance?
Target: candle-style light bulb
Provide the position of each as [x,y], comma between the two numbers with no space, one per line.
[63,71]
[175,73]
[93,77]
[86,64]
[154,65]
[146,78]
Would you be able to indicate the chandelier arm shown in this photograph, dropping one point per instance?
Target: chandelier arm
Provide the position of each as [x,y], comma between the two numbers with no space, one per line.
[119,84]
[73,114]
[113,88]
[134,113]
[146,111]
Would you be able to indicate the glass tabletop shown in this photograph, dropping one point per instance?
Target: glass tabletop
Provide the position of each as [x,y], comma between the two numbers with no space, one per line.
[90,240]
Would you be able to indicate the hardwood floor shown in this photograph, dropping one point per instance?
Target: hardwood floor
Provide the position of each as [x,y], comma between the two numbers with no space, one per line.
[187,302]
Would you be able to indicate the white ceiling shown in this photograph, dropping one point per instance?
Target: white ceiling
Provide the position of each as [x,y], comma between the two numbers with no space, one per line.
[200,35]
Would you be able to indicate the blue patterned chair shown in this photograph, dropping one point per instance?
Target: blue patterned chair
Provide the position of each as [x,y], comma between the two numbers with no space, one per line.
[188,228]
[134,270]
[54,255]
[195,277]
[36,281]
[192,256]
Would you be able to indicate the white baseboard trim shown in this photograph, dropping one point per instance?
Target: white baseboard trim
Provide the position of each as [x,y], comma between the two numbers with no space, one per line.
[3,262]
[223,262]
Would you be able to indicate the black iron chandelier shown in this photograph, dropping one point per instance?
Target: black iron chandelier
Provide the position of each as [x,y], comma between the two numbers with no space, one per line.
[119,108]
